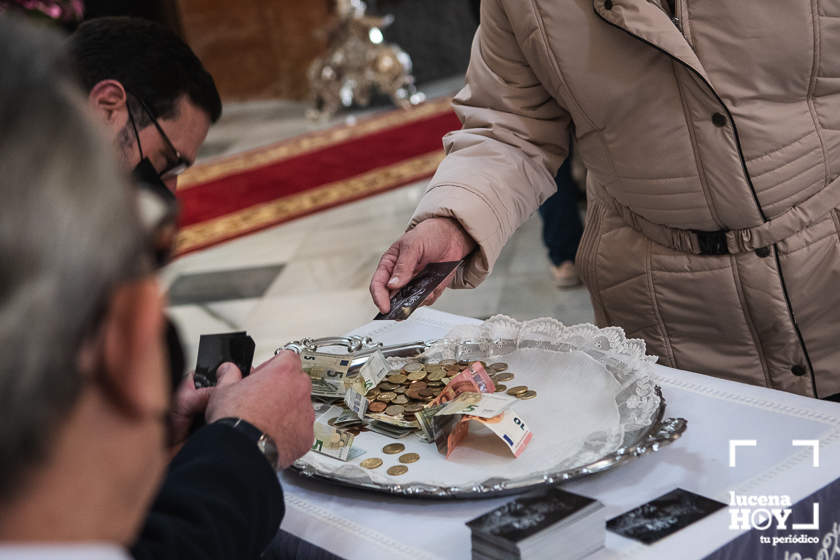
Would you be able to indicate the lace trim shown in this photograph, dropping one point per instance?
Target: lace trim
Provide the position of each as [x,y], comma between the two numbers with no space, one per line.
[624,358]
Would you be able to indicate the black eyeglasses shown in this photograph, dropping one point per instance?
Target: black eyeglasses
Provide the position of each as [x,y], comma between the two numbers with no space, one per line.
[175,166]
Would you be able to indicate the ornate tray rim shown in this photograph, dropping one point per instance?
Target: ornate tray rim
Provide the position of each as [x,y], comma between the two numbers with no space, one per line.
[659,433]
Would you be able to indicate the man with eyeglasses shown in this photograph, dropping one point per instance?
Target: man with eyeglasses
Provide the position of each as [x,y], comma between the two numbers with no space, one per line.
[153,95]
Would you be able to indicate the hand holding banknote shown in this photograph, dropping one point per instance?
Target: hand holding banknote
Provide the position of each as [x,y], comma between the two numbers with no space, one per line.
[432,240]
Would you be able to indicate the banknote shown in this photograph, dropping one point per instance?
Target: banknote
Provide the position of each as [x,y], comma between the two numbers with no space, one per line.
[327,372]
[424,421]
[461,383]
[480,377]
[393,421]
[356,401]
[374,371]
[484,405]
[509,427]
[330,440]
[390,430]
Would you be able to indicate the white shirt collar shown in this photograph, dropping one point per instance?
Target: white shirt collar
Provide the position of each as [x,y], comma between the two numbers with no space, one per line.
[62,551]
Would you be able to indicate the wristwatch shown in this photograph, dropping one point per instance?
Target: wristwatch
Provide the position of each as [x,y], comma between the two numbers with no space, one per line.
[263,441]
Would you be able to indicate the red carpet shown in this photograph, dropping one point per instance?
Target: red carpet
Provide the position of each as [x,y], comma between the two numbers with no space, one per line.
[254,190]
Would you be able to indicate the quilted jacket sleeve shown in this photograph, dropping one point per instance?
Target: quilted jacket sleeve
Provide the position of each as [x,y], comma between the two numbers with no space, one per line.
[500,166]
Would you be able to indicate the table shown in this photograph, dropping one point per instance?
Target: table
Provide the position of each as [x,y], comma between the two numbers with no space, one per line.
[367,526]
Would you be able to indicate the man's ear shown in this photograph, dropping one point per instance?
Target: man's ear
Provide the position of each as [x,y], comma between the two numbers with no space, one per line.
[134,365]
[109,102]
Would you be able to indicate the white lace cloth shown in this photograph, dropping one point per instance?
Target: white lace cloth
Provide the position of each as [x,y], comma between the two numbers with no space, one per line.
[367,526]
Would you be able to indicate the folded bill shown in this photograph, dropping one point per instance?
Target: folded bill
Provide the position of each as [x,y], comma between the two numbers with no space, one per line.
[330,440]
[509,427]
[327,372]
[483,405]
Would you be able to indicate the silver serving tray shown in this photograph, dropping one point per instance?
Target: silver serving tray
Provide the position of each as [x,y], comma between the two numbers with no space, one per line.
[659,433]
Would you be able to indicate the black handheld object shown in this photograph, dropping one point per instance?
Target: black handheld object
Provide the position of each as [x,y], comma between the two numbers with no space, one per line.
[412,295]
[216,349]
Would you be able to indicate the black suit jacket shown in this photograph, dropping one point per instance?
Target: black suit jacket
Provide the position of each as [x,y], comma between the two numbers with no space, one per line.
[220,500]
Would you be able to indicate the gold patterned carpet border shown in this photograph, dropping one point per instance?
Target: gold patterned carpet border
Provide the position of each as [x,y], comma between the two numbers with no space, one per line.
[260,216]
[204,172]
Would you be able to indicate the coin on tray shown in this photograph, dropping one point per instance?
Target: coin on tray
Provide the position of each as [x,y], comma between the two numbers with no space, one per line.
[436,375]
[500,387]
[498,366]
[502,377]
[394,410]
[371,463]
[416,375]
[377,406]
[527,395]
[412,367]
[409,458]
[387,396]
[518,390]
[393,448]
[397,470]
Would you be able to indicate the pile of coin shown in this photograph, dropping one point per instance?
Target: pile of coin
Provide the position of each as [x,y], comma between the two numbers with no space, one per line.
[404,392]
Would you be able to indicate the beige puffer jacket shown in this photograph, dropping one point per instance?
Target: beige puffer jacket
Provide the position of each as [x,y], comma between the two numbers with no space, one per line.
[723,119]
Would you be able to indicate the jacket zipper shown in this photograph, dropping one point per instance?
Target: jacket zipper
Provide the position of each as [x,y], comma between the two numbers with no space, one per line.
[796,329]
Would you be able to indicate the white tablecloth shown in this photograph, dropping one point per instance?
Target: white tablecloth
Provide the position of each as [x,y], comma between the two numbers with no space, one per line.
[367,526]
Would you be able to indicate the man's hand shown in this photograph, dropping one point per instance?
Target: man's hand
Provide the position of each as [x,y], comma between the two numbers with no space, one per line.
[188,403]
[275,398]
[432,240]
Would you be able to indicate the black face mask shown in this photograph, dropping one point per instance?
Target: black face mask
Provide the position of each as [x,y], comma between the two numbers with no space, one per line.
[160,212]
[146,176]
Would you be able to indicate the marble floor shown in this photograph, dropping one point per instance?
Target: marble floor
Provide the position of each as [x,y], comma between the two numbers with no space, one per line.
[309,277]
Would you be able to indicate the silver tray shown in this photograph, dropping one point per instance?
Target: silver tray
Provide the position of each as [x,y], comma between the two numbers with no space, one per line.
[659,432]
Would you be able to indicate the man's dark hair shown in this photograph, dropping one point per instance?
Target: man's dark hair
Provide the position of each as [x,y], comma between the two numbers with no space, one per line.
[149,60]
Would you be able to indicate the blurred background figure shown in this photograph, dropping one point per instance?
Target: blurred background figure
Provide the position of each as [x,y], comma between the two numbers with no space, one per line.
[562,226]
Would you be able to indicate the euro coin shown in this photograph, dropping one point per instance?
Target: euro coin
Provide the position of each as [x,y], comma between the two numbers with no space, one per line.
[397,470]
[371,463]
[377,407]
[397,378]
[515,391]
[394,410]
[393,448]
[413,408]
[498,366]
[436,375]
[387,396]
[527,395]
[400,399]
[502,377]
[409,458]
[385,386]
[416,375]
[413,367]
[400,389]
[500,388]
[417,386]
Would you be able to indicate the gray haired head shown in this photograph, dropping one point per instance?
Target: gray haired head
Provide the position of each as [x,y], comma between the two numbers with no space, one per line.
[68,234]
